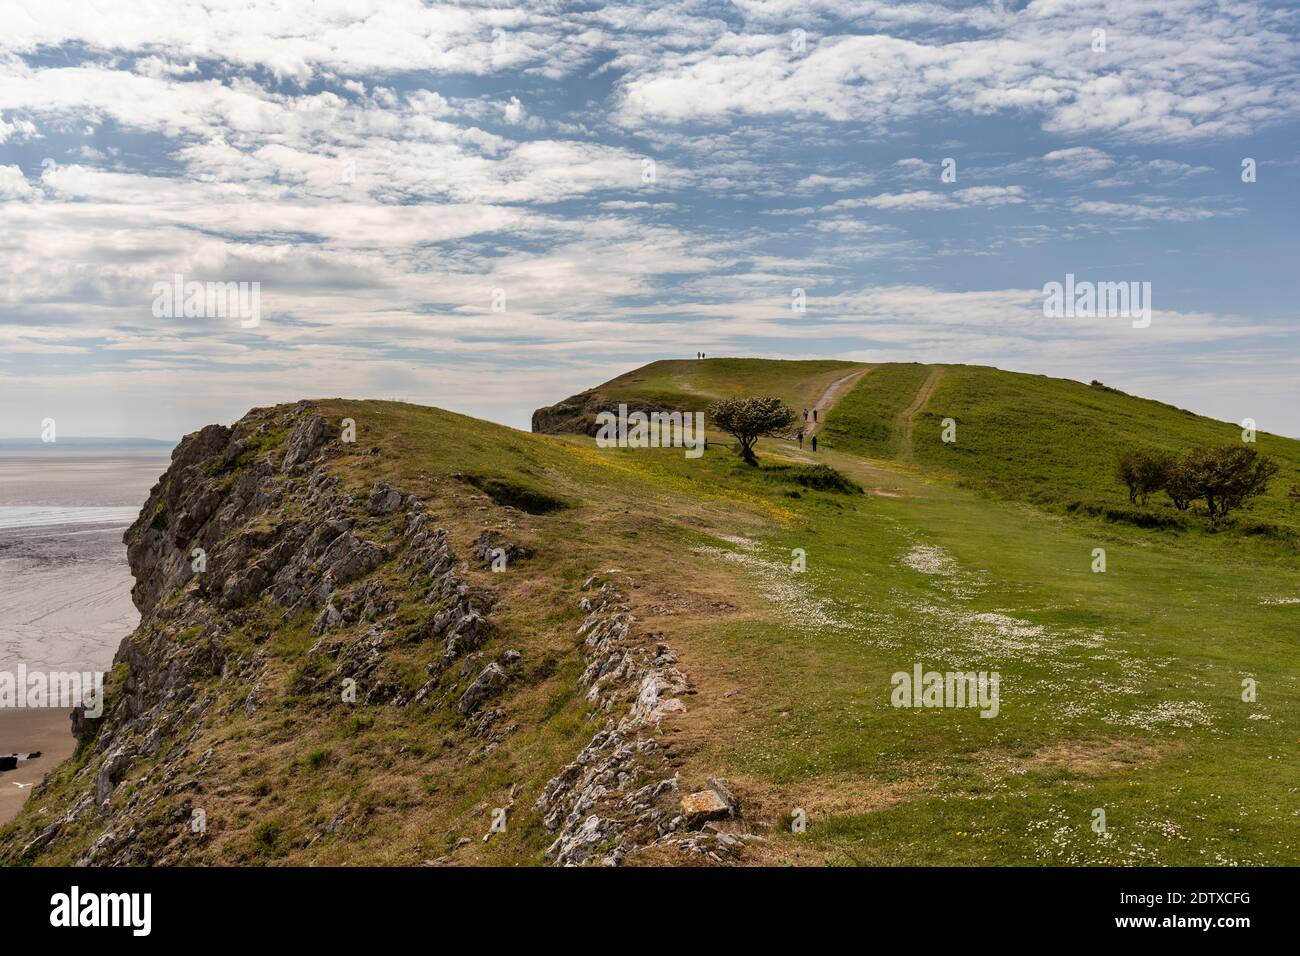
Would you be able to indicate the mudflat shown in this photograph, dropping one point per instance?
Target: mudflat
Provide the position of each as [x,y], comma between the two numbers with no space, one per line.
[65,587]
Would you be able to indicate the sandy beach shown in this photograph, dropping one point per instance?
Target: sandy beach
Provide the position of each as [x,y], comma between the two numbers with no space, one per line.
[24,731]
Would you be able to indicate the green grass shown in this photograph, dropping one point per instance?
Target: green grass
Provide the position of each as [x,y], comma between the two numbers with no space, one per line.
[1095,691]
[1119,690]
[1048,441]
[866,420]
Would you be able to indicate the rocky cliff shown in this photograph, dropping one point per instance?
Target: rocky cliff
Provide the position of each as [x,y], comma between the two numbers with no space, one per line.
[313,647]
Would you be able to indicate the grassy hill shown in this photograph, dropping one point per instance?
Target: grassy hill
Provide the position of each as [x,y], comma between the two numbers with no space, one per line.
[1120,691]
[797,383]
[1044,440]
[691,385]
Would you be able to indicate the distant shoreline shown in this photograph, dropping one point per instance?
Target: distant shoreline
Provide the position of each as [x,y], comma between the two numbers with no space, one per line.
[154,446]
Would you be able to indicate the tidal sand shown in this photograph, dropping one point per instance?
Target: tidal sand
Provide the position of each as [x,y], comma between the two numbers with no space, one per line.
[65,587]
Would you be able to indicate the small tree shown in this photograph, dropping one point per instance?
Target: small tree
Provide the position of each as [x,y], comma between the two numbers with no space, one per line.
[1293,493]
[1179,485]
[1126,470]
[749,419]
[1228,476]
[1143,472]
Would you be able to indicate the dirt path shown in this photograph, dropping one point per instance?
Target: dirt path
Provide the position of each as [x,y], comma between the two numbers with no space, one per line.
[829,398]
[907,415]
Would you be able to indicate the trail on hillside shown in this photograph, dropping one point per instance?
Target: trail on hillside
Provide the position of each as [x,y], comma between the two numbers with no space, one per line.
[906,417]
[830,397]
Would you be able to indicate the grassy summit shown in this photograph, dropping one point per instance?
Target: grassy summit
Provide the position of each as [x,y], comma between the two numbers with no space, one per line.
[669,382]
[686,385]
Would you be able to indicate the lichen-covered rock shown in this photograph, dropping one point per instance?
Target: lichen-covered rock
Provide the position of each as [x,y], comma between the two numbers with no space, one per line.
[492,549]
[384,499]
[490,682]
[616,795]
[305,441]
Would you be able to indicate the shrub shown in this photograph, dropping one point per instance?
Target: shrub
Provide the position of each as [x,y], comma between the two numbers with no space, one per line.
[1225,478]
[824,478]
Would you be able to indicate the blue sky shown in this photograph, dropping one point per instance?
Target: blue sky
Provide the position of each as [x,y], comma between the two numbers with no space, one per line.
[382,167]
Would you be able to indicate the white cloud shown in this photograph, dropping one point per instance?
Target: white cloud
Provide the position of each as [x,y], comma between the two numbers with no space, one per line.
[926,199]
[14,185]
[1172,71]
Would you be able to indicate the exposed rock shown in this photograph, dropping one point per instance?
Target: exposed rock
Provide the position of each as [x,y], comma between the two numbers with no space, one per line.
[490,546]
[305,441]
[490,682]
[704,805]
[110,772]
[617,794]
[384,499]
[723,790]
[42,839]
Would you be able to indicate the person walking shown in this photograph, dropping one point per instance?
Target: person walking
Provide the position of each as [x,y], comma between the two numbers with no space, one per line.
[814,416]
[805,416]
[814,443]
[800,436]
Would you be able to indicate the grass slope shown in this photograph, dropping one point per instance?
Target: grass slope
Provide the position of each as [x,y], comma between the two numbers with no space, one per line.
[1045,440]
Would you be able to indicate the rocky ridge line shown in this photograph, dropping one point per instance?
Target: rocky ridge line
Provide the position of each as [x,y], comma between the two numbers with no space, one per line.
[620,794]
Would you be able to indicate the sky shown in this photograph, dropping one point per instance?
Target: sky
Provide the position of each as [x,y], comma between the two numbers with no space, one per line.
[488,207]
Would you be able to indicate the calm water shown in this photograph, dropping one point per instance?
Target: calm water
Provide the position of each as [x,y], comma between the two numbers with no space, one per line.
[65,588]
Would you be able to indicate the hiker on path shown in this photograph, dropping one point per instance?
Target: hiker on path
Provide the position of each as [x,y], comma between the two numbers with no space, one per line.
[814,416]
[800,437]
[805,416]
[814,442]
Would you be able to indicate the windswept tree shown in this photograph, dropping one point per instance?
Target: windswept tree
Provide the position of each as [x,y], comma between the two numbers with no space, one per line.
[1180,485]
[1228,476]
[1144,472]
[749,419]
